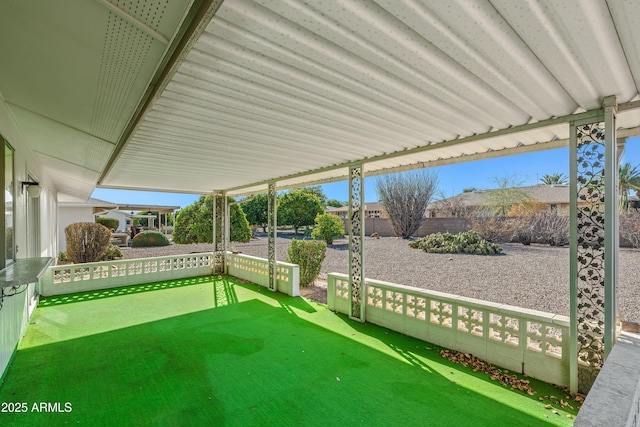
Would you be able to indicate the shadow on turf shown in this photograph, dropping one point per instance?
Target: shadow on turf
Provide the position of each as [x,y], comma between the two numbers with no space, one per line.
[124,290]
[223,292]
[246,365]
[285,301]
[430,351]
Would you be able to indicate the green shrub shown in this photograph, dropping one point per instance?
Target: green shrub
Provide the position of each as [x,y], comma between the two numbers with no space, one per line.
[328,227]
[468,242]
[194,223]
[113,252]
[110,223]
[240,230]
[87,241]
[308,254]
[150,238]
[62,257]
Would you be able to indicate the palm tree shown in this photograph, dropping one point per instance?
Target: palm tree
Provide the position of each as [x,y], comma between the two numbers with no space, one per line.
[555,179]
[628,179]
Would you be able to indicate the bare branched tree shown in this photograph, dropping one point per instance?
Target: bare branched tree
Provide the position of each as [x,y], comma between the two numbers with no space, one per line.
[450,206]
[405,197]
[542,227]
[630,227]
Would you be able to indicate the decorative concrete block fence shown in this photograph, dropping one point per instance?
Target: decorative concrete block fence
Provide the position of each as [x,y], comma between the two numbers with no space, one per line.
[65,279]
[521,340]
[256,270]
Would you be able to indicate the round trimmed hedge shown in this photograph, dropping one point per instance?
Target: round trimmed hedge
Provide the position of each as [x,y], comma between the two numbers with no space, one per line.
[110,223]
[150,238]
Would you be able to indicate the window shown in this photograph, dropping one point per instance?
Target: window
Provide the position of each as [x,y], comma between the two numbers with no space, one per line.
[7,242]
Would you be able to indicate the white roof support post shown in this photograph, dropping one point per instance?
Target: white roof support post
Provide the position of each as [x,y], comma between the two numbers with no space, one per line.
[219,232]
[612,227]
[356,239]
[226,233]
[214,237]
[593,245]
[272,233]
[573,258]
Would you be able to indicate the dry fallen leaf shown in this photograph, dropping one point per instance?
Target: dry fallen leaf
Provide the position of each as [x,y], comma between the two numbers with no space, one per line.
[467,359]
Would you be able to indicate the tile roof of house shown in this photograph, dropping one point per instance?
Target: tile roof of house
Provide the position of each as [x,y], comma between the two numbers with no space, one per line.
[549,194]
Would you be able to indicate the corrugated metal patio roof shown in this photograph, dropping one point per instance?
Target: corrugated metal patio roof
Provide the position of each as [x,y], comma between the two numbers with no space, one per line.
[295,92]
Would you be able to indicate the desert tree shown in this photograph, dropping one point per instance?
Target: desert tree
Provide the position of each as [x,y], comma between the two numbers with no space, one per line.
[554,179]
[335,203]
[299,208]
[317,191]
[505,194]
[450,206]
[328,227]
[194,223]
[628,179]
[257,211]
[405,197]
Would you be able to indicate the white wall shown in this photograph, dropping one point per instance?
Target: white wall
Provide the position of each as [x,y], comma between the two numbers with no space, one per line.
[16,310]
[27,164]
[68,215]
[120,216]
[14,318]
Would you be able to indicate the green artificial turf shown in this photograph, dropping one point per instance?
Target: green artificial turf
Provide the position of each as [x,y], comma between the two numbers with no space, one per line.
[214,351]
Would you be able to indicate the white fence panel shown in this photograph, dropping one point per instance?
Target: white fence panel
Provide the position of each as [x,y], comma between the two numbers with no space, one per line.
[527,341]
[256,270]
[65,279]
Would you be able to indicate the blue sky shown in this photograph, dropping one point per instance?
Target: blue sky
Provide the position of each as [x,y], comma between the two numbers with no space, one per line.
[527,168]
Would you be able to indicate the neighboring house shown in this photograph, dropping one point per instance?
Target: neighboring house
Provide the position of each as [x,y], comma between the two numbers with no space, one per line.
[555,197]
[126,219]
[73,210]
[371,210]
[123,218]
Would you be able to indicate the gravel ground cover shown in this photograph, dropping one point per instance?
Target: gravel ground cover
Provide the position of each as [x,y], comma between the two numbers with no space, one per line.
[535,276]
